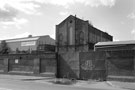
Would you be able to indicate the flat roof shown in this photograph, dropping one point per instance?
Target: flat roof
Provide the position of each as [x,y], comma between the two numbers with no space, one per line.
[115,43]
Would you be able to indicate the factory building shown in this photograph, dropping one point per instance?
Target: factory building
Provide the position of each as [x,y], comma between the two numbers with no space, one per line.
[75,40]
[78,35]
[30,43]
[74,56]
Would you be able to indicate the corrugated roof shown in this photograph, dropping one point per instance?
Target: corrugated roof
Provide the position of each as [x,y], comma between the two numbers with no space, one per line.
[115,43]
[23,39]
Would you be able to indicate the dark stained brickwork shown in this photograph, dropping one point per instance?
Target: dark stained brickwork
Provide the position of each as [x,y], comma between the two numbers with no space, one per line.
[68,65]
[73,36]
[82,65]
[78,35]
[31,63]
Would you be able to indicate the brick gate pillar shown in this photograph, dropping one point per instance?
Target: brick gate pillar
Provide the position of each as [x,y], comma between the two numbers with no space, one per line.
[36,65]
[6,65]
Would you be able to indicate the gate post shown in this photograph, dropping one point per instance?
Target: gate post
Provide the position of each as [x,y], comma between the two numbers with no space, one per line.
[36,65]
[6,65]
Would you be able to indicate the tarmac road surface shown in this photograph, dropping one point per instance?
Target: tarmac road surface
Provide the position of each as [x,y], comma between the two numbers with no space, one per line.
[14,82]
[26,85]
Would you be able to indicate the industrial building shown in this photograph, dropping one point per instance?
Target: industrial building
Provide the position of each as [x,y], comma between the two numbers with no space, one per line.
[74,56]
[75,40]
[78,35]
[30,43]
[29,55]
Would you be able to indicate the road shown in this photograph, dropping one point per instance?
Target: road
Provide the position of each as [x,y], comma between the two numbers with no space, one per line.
[12,82]
[30,85]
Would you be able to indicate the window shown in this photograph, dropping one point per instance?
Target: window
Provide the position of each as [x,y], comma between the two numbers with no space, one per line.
[70,21]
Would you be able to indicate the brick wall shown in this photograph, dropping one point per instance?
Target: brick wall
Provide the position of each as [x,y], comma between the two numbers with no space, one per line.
[92,65]
[82,65]
[68,65]
[29,63]
[120,63]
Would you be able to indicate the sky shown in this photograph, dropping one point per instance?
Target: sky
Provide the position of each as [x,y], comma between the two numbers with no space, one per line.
[20,18]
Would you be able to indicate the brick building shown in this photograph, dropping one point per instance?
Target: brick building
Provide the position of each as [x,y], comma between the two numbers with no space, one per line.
[74,56]
[75,40]
[78,35]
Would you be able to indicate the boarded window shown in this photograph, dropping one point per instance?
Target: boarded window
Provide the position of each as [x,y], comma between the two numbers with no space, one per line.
[70,36]
[60,39]
[81,37]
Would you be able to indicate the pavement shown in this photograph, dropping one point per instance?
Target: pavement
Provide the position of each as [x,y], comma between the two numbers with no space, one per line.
[107,85]
[125,85]
[121,78]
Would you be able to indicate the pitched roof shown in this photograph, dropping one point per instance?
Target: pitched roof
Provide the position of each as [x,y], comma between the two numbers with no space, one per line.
[77,18]
[115,43]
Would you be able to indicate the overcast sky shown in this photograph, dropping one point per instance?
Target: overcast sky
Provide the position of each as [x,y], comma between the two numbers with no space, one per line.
[19,18]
